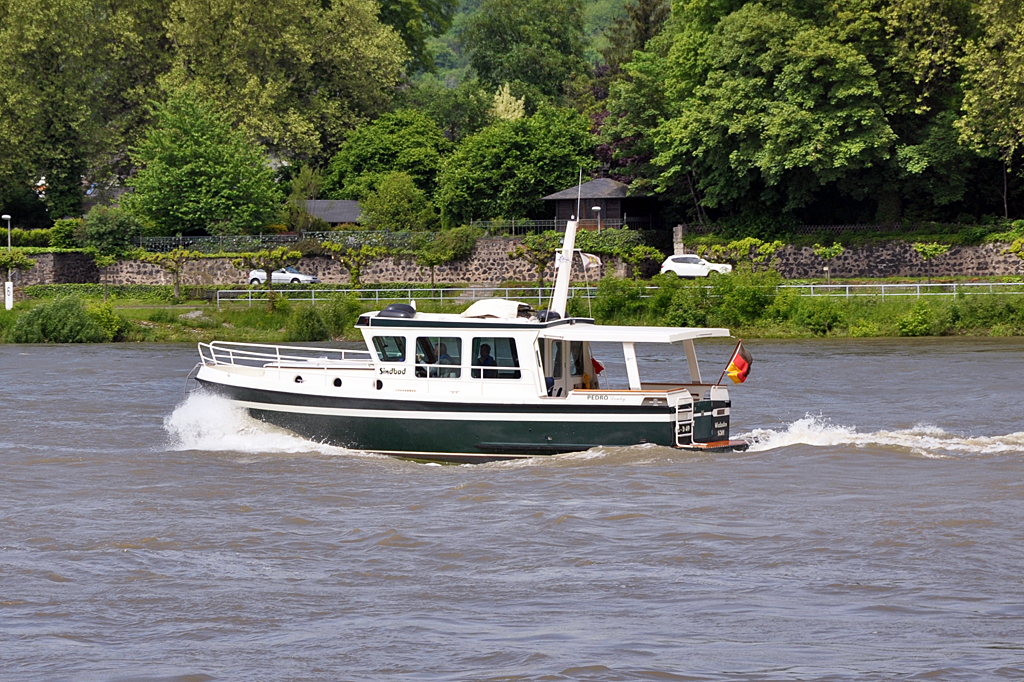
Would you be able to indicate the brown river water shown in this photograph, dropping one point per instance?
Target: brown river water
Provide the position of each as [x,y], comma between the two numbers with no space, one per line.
[874,531]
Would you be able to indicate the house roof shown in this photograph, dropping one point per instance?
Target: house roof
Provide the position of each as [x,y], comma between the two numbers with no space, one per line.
[602,188]
[334,210]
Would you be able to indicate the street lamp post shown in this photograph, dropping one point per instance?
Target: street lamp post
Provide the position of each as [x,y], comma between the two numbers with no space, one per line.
[8,285]
[597,210]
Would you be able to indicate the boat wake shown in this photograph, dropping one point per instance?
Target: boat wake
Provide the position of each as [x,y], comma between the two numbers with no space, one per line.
[924,440]
[211,423]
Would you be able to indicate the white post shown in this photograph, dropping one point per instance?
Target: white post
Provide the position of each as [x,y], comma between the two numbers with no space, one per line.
[8,285]
[631,369]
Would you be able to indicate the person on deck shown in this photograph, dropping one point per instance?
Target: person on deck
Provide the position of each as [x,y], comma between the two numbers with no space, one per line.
[485,360]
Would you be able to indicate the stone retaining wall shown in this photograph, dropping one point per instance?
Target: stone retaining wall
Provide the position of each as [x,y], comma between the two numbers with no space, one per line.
[489,264]
[898,259]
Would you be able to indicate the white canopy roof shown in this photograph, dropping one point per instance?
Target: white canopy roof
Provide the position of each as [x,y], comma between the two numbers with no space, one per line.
[624,334]
[494,307]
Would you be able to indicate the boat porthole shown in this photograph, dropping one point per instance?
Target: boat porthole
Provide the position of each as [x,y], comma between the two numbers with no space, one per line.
[380,384]
[337,382]
[298,380]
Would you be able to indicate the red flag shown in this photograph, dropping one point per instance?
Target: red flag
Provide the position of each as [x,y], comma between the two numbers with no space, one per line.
[598,367]
[739,366]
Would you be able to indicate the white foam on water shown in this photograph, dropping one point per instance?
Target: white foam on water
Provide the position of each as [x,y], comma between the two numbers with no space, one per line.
[923,439]
[213,423]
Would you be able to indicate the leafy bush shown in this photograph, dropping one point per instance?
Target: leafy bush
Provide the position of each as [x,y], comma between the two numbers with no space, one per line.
[139,292]
[619,300]
[819,315]
[64,320]
[915,323]
[37,238]
[340,315]
[743,296]
[114,326]
[62,234]
[307,325]
[396,203]
[110,231]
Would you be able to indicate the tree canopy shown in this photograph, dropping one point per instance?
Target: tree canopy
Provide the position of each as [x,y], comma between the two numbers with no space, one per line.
[198,174]
[506,168]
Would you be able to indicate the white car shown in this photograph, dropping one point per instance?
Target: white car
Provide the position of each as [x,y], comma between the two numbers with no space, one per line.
[288,275]
[690,266]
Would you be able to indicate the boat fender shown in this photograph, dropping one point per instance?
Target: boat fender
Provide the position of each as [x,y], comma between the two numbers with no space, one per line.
[548,316]
[400,310]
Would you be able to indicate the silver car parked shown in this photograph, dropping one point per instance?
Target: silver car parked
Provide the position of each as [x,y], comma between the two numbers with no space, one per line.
[288,275]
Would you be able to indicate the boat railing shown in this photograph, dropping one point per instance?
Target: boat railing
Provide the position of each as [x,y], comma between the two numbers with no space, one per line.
[264,355]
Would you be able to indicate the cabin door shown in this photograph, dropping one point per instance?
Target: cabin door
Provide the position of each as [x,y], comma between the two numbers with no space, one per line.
[554,355]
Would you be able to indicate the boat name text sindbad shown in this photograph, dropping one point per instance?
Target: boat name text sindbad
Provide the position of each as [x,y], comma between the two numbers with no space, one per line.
[392,370]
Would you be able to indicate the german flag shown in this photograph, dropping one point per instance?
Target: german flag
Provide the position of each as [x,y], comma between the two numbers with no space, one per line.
[739,366]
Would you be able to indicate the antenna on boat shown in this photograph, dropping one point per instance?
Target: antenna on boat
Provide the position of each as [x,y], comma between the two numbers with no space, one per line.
[579,194]
[560,295]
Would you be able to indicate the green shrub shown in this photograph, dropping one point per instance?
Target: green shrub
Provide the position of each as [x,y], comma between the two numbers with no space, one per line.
[340,315]
[36,238]
[62,234]
[307,325]
[917,322]
[743,296]
[135,292]
[691,305]
[114,326]
[64,320]
[111,231]
[819,315]
[619,300]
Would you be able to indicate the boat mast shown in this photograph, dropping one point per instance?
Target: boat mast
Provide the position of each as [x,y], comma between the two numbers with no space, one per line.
[564,259]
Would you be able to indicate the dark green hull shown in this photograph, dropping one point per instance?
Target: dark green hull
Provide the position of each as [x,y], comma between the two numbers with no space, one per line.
[466,433]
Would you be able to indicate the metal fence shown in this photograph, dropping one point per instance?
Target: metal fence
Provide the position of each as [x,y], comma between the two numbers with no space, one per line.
[528,294]
[940,228]
[385,238]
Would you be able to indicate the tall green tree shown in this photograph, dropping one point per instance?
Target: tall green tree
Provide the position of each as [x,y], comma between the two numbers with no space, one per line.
[644,19]
[404,141]
[50,122]
[74,75]
[458,111]
[197,173]
[507,167]
[417,21]
[297,74]
[993,120]
[538,44]
[397,204]
[785,108]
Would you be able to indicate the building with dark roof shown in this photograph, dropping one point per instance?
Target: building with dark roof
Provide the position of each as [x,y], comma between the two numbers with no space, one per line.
[335,211]
[605,194]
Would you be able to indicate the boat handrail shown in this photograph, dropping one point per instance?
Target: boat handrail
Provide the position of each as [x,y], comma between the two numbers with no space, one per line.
[258,354]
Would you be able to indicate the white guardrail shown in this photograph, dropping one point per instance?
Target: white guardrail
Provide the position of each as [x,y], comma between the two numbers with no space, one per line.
[469,294]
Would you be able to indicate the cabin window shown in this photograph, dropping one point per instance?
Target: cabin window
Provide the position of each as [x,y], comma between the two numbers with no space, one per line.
[390,348]
[556,361]
[576,354]
[494,356]
[439,357]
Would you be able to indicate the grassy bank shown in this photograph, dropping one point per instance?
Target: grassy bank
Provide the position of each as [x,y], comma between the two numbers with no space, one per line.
[747,303]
